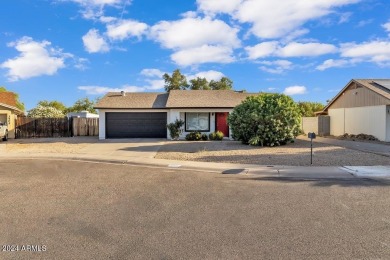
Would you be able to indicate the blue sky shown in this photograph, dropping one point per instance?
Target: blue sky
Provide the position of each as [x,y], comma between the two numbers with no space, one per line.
[68,49]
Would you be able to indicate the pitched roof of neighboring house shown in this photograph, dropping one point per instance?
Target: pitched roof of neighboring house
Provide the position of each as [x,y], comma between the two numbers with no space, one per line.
[205,98]
[173,99]
[136,100]
[8,98]
[379,86]
[14,109]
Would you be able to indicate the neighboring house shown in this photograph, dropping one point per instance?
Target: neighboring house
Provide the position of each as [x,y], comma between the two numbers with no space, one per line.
[362,106]
[145,115]
[82,114]
[9,112]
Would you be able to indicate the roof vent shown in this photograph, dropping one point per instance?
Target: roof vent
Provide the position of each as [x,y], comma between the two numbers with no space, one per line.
[123,93]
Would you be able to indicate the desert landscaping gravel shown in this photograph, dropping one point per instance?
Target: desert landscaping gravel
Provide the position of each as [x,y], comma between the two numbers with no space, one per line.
[294,154]
[48,145]
[226,151]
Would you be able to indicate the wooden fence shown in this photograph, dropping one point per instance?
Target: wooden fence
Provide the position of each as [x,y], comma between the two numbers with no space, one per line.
[85,127]
[26,127]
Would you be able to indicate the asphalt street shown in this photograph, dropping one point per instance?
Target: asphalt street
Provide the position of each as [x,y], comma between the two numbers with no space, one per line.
[58,209]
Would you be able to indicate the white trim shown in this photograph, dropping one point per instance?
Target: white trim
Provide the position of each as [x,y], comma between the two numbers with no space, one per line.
[172,115]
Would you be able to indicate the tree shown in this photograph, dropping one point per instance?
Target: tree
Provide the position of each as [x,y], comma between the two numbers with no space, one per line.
[308,108]
[45,112]
[56,104]
[199,84]
[268,119]
[175,82]
[19,104]
[223,84]
[83,104]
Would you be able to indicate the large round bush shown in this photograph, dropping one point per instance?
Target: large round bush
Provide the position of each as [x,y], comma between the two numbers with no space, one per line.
[266,120]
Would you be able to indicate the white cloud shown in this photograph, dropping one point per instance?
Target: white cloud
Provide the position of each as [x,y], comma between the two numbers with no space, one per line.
[152,73]
[217,6]
[203,54]
[273,19]
[295,90]
[107,19]
[209,75]
[94,42]
[386,26]
[311,49]
[345,17]
[194,32]
[154,84]
[331,63]
[94,9]
[97,2]
[276,67]
[99,90]
[364,22]
[292,49]
[262,50]
[374,51]
[125,29]
[35,59]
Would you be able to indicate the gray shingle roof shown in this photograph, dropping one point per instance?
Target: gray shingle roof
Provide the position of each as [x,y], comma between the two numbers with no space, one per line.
[136,100]
[175,99]
[205,98]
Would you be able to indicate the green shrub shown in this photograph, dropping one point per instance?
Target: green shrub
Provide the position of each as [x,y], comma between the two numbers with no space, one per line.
[219,135]
[205,137]
[174,128]
[216,135]
[194,136]
[266,120]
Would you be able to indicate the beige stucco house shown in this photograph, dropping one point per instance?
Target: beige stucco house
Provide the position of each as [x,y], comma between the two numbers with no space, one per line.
[362,106]
[135,115]
[9,112]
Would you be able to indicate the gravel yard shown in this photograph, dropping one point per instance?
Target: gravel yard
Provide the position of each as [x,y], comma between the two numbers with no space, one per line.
[294,154]
[49,145]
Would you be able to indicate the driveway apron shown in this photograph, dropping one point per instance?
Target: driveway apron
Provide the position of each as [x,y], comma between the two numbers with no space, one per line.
[131,148]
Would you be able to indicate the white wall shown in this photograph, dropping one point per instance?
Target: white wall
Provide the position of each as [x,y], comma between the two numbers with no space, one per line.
[367,120]
[180,114]
[388,124]
[337,126]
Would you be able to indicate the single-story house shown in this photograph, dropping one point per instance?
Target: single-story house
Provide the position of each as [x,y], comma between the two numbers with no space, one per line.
[145,115]
[82,114]
[9,112]
[362,106]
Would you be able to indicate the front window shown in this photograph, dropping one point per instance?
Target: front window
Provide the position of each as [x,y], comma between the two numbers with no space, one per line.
[198,122]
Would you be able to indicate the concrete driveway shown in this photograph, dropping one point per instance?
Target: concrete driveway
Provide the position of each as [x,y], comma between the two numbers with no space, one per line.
[134,147]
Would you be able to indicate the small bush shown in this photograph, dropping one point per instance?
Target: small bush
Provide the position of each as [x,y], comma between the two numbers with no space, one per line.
[212,136]
[216,136]
[205,137]
[174,129]
[219,135]
[194,136]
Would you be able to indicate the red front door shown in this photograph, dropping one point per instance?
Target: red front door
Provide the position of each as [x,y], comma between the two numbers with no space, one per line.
[221,123]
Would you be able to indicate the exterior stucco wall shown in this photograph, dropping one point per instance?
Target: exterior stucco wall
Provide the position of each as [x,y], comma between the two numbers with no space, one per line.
[337,122]
[180,114]
[10,121]
[367,120]
[387,124]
